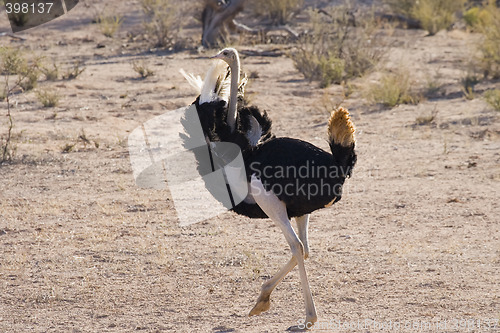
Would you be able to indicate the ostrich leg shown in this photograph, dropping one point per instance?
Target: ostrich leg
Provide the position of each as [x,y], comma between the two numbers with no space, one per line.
[263,302]
[276,210]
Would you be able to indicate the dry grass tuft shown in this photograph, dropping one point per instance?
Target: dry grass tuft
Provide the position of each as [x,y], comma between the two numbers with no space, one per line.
[109,24]
[469,82]
[48,98]
[51,74]
[73,72]
[142,69]
[393,89]
[493,98]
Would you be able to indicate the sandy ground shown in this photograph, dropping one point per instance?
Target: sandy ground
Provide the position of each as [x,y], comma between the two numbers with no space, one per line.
[415,239]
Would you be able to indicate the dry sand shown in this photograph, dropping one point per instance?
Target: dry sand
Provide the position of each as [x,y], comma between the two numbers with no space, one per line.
[415,238]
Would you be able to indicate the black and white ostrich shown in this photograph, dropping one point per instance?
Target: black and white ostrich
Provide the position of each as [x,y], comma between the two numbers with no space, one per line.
[286,177]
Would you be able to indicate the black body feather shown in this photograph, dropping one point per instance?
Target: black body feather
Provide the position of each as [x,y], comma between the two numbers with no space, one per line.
[303,176]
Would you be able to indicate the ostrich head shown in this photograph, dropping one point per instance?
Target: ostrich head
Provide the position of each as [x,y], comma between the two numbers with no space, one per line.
[229,55]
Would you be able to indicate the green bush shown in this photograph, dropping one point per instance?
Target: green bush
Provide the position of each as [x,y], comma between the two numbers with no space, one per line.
[471,17]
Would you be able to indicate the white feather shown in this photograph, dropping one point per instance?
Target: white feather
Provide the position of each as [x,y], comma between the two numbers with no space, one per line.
[255,132]
[216,73]
[194,81]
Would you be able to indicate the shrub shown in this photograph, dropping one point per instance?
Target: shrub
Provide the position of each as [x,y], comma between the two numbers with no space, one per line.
[163,21]
[433,15]
[14,64]
[278,11]
[12,61]
[490,45]
[436,15]
[471,17]
[334,50]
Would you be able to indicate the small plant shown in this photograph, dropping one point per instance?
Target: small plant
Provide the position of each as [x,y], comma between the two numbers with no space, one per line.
[73,72]
[163,22]
[433,86]
[142,69]
[13,62]
[393,89]
[278,11]
[48,98]
[31,80]
[51,74]
[108,25]
[426,119]
[493,98]
[469,82]
[84,139]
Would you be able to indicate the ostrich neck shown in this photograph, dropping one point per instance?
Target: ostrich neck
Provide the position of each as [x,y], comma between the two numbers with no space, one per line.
[233,97]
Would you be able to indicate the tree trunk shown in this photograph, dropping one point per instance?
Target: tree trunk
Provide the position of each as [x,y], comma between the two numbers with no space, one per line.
[217,16]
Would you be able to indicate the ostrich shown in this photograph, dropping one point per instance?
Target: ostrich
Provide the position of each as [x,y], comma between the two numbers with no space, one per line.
[287,178]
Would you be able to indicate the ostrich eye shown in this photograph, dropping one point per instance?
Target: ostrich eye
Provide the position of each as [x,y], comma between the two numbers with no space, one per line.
[224,53]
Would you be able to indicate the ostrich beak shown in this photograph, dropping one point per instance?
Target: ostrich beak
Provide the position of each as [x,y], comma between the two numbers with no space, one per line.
[217,56]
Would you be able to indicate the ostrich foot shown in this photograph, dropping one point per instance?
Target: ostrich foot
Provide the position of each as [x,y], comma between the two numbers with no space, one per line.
[304,326]
[263,304]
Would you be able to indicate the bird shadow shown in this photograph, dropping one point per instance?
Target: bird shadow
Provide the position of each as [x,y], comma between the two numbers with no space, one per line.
[296,328]
[223,329]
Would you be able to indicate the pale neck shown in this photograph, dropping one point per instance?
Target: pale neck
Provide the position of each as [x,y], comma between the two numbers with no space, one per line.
[233,97]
